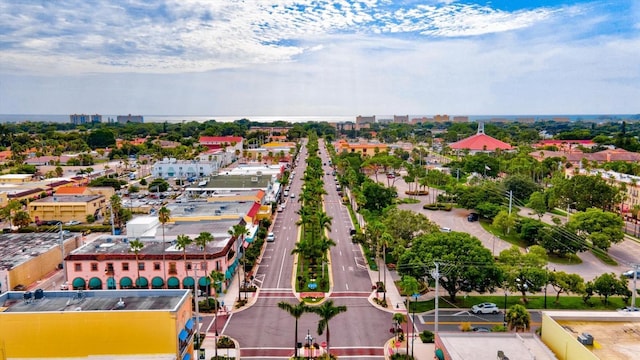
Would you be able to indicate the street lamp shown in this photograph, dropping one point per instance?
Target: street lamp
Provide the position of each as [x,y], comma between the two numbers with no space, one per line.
[505,309]
[413,323]
[309,340]
[195,294]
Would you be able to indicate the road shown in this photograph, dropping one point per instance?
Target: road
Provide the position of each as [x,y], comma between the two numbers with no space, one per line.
[450,320]
[266,332]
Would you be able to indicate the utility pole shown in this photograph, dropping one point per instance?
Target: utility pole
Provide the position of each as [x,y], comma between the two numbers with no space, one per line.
[436,275]
[635,277]
[64,269]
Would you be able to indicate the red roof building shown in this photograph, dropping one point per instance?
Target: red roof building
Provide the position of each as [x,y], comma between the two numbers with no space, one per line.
[217,142]
[480,142]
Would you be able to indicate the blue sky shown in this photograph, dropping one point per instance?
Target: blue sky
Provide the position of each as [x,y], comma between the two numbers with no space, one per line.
[280,57]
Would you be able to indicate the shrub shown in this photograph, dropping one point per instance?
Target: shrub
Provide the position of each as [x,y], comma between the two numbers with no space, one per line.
[224,342]
[466,326]
[426,336]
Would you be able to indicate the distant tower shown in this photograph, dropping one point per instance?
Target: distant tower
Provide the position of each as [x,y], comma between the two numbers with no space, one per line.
[480,127]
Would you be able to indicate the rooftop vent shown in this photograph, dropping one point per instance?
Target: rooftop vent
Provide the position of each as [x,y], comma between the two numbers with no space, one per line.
[585,339]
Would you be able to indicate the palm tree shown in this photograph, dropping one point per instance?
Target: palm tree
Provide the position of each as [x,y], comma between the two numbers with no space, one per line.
[239,231]
[164,215]
[135,246]
[215,277]
[518,318]
[182,241]
[202,240]
[327,311]
[399,319]
[296,311]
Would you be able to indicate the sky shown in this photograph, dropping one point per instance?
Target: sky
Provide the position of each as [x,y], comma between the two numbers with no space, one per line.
[314,57]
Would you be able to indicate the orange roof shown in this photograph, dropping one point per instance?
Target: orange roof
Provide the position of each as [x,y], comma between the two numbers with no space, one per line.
[71,190]
[362,146]
[480,142]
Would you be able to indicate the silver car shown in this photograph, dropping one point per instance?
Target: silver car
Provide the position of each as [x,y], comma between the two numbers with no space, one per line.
[485,308]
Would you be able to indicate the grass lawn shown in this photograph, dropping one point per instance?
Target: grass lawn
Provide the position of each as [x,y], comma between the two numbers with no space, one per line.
[603,256]
[512,238]
[570,259]
[534,302]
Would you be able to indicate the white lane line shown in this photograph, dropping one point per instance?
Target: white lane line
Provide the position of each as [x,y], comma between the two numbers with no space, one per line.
[347,286]
[284,253]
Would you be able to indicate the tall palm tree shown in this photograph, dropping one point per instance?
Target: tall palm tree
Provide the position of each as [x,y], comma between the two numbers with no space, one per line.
[202,240]
[327,311]
[164,215]
[518,318]
[296,311]
[135,246]
[182,241]
[238,232]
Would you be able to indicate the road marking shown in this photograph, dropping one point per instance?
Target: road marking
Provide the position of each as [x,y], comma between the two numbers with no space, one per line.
[462,313]
[284,253]
[342,267]
[347,286]
[350,268]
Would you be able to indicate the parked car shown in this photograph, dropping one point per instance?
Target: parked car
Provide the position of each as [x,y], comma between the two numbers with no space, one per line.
[629,309]
[473,217]
[64,286]
[445,229]
[293,195]
[629,274]
[481,329]
[72,222]
[271,237]
[485,308]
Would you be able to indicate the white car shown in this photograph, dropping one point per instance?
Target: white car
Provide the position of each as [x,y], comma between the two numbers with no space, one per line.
[485,308]
[271,237]
[293,195]
[72,222]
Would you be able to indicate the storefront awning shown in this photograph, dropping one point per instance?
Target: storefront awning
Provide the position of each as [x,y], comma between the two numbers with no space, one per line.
[142,282]
[189,324]
[188,282]
[204,281]
[183,335]
[157,282]
[173,283]
[126,282]
[95,283]
[78,283]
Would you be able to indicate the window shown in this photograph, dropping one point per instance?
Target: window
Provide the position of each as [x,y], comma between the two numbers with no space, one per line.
[188,266]
[109,268]
[125,266]
[141,266]
[172,268]
[203,266]
[77,266]
[156,266]
[217,265]
[94,266]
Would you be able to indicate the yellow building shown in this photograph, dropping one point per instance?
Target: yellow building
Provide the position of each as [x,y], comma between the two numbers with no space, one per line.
[586,335]
[368,149]
[129,324]
[27,258]
[4,199]
[15,178]
[67,208]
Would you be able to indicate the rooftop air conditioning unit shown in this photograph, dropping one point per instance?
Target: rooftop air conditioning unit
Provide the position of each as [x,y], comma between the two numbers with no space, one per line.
[585,339]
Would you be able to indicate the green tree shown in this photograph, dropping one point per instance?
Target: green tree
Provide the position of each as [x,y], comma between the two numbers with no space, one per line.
[567,283]
[239,231]
[504,221]
[524,272]
[9,211]
[296,311]
[377,196]
[538,203]
[607,285]
[21,219]
[600,227]
[182,242]
[326,312]
[101,138]
[164,215]
[518,318]
[135,246]
[470,266]
[584,192]
[521,186]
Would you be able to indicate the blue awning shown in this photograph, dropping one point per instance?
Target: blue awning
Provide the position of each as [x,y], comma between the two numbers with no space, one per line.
[189,324]
[183,335]
[187,357]
[228,274]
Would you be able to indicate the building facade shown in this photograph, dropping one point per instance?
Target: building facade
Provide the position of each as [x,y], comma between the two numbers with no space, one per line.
[152,324]
[67,208]
[124,119]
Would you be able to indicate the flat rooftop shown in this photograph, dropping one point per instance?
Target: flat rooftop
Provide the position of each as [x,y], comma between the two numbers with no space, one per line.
[516,346]
[613,340]
[203,208]
[17,248]
[68,198]
[234,182]
[93,300]
[112,244]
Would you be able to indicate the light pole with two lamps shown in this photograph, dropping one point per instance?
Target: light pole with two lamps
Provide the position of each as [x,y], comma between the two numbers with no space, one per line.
[309,340]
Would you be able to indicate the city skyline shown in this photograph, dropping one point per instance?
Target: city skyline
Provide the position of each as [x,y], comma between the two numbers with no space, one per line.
[285,58]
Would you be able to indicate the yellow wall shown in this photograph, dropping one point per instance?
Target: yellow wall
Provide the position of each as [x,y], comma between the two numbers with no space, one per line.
[39,266]
[204,218]
[3,199]
[65,211]
[562,343]
[233,198]
[83,333]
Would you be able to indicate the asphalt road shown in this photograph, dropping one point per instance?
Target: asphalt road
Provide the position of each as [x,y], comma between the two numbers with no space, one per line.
[266,332]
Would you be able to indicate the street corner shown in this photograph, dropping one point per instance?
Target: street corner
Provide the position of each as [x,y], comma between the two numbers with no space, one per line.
[393,346]
[382,304]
